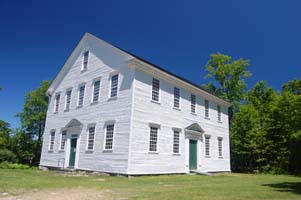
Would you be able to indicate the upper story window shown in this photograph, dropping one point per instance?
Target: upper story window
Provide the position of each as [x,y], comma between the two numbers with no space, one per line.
[153,140]
[220,146]
[96,88]
[109,137]
[85,60]
[114,85]
[206,108]
[68,99]
[51,141]
[57,103]
[155,89]
[91,135]
[63,140]
[193,102]
[176,101]
[176,142]
[219,113]
[207,145]
[81,95]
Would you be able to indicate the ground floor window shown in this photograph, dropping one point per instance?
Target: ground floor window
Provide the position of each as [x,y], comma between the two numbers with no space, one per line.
[220,146]
[176,142]
[153,139]
[207,145]
[51,144]
[91,138]
[63,140]
[109,137]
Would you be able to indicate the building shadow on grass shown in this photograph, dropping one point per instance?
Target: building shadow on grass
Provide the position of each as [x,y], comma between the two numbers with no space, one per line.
[293,187]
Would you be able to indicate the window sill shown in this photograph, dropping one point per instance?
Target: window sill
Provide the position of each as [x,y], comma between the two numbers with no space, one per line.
[178,109]
[207,118]
[193,114]
[156,102]
[153,152]
[94,103]
[107,150]
[84,70]
[112,98]
[176,154]
[50,151]
[89,151]
[78,107]
[207,156]
[66,110]
[61,151]
[220,122]
[56,112]
[220,157]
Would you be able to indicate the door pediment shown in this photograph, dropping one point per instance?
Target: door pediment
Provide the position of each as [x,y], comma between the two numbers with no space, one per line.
[194,131]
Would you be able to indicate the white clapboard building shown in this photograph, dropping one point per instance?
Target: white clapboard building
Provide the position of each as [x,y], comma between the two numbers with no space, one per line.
[111,111]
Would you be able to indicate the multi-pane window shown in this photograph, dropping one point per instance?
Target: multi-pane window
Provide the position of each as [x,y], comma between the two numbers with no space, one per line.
[114,85]
[63,140]
[207,145]
[51,144]
[96,87]
[153,139]
[219,113]
[220,146]
[206,108]
[85,60]
[192,100]
[81,95]
[91,138]
[155,89]
[176,101]
[57,103]
[68,99]
[109,137]
[176,141]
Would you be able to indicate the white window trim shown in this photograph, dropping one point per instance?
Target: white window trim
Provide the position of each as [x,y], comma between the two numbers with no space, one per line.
[159,91]
[195,104]
[87,143]
[206,117]
[221,116]
[118,84]
[111,122]
[55,101]
[51,131]
[208,136]
[92,96]
[65,107]
[78,91]
[173,131]
[158,126]
[61,135]
[83,57]
[176,108]
[222,147]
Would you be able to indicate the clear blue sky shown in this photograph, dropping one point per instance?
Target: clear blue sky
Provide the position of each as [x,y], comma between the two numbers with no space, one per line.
[36,37]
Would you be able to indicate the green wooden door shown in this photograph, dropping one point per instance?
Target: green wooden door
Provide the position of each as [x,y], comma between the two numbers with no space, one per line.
[72,152]
[192,154]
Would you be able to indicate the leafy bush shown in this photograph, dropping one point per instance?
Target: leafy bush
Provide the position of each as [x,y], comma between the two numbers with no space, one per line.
[8,165]
[7,156]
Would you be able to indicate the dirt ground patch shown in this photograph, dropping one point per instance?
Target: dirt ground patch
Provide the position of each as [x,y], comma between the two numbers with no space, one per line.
[63,194]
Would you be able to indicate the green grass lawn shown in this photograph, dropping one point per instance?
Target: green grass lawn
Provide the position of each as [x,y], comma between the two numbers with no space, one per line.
[223,186]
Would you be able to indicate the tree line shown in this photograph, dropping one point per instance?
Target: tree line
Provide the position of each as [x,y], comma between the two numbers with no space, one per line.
[265,124]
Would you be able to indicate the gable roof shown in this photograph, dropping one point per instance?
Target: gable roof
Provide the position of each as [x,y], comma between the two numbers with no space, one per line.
[87,35]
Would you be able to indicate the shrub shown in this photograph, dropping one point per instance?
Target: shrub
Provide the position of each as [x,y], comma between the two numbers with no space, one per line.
[7,155]
[8,165]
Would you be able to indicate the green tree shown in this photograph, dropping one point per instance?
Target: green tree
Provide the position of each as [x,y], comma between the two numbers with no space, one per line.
[4,134]
[227,78]
[33,117]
